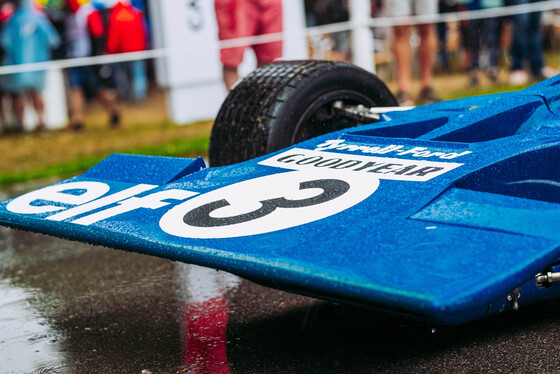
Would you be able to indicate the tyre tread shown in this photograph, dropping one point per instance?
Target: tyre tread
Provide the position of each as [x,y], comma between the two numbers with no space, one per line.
[241,129]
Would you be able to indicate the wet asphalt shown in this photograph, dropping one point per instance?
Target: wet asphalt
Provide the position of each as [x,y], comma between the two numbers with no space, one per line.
[67,307]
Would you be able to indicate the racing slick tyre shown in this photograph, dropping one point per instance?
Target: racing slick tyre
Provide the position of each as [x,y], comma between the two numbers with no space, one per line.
[284,103]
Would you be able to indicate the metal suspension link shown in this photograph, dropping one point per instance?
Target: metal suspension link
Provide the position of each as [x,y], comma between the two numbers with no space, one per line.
[545,279]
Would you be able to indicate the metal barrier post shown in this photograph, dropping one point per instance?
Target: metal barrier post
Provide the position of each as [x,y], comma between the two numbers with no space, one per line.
[362,37]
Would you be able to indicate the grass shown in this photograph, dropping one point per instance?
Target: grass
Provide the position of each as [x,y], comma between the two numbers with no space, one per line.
[61,153]
[145,130]
[192,147]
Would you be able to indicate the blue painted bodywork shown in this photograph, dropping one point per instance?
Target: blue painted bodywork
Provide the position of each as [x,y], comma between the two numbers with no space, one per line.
[463,209]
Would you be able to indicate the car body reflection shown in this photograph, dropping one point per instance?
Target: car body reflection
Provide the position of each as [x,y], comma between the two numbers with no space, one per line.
[205,311]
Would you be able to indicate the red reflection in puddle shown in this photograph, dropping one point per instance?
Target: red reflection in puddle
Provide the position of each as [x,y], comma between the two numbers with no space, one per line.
[205,326]
[204,316]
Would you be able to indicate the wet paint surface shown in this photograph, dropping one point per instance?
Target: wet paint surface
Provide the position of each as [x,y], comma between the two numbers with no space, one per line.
[67,307]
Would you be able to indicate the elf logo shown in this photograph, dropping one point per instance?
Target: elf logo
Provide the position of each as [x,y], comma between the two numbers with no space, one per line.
[87,202]
[255,206]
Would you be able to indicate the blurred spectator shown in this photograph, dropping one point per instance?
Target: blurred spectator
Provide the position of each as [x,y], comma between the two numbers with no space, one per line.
[55,10]
[127,33]
[527,44]
[244,18]
[139,5]
[403,51]
[85,34]
[336,45]
[27,37]
[6,11]
[465,36]
[484,31]
[444,6]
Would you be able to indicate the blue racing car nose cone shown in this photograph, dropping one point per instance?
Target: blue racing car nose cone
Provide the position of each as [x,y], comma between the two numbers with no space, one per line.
[443,213]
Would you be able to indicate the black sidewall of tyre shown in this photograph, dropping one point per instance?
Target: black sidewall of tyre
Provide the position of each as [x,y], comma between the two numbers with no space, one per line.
[342,82]
[264,112]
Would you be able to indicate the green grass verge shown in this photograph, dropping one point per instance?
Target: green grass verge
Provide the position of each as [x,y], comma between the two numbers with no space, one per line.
[485,91]
[180,148]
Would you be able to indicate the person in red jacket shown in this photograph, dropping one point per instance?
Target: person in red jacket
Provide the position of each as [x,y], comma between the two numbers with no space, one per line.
[127,33]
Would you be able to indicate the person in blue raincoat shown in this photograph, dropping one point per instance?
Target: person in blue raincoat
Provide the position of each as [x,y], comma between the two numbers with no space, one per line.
[27,37]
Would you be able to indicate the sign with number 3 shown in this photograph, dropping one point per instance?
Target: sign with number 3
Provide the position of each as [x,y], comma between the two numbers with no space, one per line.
[266,204]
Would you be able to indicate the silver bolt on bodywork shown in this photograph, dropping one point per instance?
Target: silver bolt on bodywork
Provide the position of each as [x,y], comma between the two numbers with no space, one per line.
[514,297]
[545,279]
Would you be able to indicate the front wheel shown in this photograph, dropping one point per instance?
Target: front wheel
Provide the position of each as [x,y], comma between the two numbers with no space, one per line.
[284,103]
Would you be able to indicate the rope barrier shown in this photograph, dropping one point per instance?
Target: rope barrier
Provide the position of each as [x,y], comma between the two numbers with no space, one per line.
[187,48]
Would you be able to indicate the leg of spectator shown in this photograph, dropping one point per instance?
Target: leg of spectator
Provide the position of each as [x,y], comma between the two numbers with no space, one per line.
[519,43]
[3,119]
[139,80]
[122,80]
[230,75]
[39,106]
[466,42]
[519,48]
[426,53]
[475,32]
[261,19]
[442,42]
[109,101]
[536,52]
[492,32]
[232,23]
[403,62]
[77,103]
[18,102]
[444,7]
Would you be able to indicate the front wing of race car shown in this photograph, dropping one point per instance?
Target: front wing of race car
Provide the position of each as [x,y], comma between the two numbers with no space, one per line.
[444,213]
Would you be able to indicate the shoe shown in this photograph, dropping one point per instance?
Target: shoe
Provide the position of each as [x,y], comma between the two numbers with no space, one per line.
[548,72]
[13,129]
[404,99]
[545,73]
[428,96]
[518,78]
[473,78]
[493,74]
[40,128]
[115,120]
[78,126]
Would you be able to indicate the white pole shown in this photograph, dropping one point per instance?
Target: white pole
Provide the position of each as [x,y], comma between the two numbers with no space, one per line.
[295,46]
[362,35]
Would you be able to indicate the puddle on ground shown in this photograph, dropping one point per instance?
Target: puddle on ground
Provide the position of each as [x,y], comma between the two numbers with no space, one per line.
[27,344]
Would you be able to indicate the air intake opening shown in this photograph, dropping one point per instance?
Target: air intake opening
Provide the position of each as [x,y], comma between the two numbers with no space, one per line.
[499,126]
[407,130]
[534,175]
